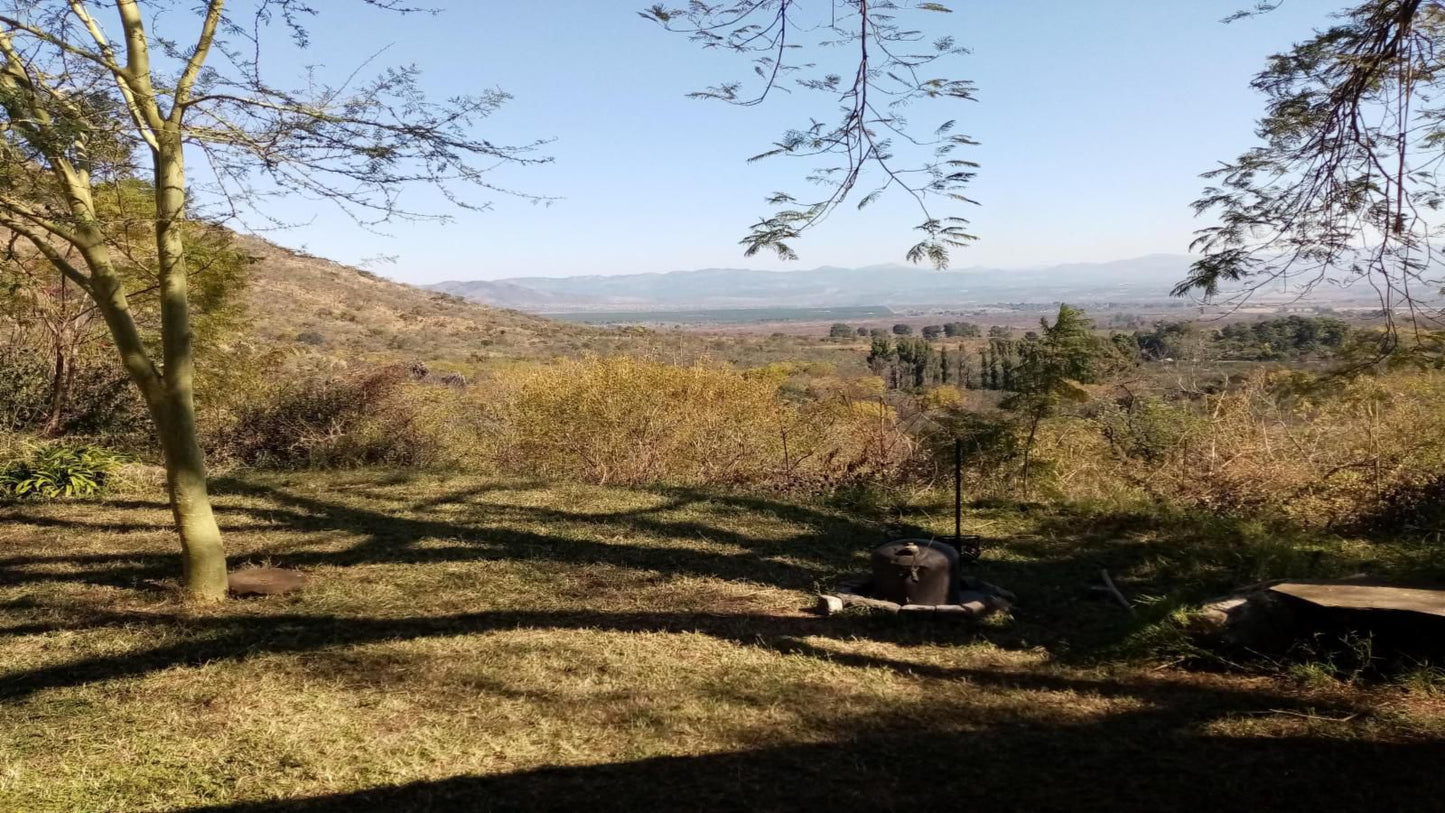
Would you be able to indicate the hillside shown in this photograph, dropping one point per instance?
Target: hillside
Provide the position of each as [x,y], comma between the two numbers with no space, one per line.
[344,315]
[293,297]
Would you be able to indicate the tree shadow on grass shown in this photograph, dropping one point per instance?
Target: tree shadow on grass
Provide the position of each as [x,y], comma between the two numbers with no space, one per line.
[1166,751]
[209,639]
[822,547]
[1052,569]
[1035,769]
[1160,755]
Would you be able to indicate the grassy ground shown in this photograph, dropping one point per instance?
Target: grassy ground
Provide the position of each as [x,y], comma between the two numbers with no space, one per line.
[481,644]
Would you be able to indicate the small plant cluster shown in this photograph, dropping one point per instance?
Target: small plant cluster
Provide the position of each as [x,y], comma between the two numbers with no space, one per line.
[58,471]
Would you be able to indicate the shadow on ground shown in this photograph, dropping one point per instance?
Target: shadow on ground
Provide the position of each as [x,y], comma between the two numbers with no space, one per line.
[1155,759]
[1165,748]
[1051,567]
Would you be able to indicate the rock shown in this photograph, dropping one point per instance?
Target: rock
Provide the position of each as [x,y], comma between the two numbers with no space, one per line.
[265,581]
[1260,621]
[999,604]
[1354,596]
[972,596]
[1213,617]
[850,600]
[978,585]
[829,605]
[972,609]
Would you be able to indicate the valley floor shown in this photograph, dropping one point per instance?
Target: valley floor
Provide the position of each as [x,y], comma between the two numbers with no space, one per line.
[488,644]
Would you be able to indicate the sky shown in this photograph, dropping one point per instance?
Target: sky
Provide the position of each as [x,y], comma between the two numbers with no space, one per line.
[1094,119]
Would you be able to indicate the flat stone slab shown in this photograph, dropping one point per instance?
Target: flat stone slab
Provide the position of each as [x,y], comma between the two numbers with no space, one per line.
[1365,596]
[265,581]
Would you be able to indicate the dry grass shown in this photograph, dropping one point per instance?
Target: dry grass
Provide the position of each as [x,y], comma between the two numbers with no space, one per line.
[486,644]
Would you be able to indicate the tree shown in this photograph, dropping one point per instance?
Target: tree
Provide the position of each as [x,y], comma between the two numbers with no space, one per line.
[1066,354]
[999,332]
[1343,188]
[884,68]
[933,332]
[840,331]
[863,332]
[901,329]
[69,325]
[881,358]
[83,111]
[962,330]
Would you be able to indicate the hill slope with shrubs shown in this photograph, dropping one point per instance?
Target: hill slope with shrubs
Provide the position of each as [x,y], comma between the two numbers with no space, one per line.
[294,297]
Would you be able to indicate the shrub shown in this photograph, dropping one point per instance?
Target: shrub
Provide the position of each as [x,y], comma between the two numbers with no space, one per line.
[58,470]
[633,421]
[385,416]
[1367,452]
[24,388]
[101,399]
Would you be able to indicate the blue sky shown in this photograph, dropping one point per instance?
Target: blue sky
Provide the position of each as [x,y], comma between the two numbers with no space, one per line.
[1095,119]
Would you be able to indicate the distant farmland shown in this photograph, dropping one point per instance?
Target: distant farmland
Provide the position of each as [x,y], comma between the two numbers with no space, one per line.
[722,316]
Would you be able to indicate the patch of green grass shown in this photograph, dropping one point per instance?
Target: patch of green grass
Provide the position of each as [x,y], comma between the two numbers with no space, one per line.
[471,643]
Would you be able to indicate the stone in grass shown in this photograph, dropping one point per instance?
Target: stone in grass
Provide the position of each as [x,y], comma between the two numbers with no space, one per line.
[265,581]
[829,605]
[852,600]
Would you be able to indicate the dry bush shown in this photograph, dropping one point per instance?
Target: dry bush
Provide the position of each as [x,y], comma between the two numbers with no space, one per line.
[610,420]
[627,420]
[381,417]
[1321,453]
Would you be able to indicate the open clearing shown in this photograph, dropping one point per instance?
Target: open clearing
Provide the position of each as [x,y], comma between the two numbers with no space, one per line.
[486,644]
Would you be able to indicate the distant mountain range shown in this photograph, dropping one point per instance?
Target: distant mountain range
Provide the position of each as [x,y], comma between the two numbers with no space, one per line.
[1136,280]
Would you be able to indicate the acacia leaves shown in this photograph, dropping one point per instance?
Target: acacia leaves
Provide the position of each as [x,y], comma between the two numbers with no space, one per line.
[867,63]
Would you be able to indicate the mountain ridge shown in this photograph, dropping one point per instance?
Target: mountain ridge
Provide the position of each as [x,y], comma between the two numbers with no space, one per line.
[1144,278]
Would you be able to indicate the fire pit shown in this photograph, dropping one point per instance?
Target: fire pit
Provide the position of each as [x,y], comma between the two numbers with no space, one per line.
[919,576]
[924,575]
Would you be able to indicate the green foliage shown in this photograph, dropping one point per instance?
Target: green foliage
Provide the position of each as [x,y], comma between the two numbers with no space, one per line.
[24,388]
[1292,338]
[933,332]
[962,330]
[901,329]
[855,138]
[1341,188]
[839,330]
[99,398]
[58,471]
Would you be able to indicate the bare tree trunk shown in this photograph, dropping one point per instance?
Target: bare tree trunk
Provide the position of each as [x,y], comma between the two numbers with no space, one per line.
[59,386]
[203,558]
[173,411]
[203,554]
[1029,451]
